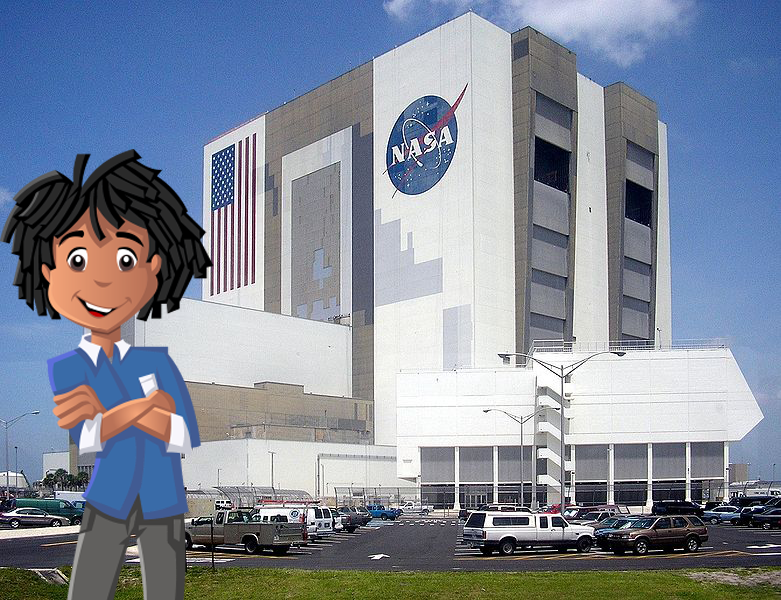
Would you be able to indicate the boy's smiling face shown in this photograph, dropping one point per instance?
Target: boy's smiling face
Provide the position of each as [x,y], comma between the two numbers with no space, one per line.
[101,284]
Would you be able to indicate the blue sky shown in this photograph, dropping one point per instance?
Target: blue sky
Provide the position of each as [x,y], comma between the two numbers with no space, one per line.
[164,80]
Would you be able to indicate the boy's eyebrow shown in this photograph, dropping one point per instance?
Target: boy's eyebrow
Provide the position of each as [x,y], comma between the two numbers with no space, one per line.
[130,236]
[70,235]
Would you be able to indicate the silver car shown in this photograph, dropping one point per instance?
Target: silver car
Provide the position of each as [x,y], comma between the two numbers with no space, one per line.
[32,516]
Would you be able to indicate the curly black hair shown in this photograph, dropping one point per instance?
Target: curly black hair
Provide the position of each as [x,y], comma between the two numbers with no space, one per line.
[121,189]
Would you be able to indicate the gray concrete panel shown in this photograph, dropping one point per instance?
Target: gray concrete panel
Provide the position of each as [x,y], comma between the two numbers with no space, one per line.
[551,208]
[437,465]
[669,461]
[315,230]
[637,280]
[510,463]
[457,337]
[637,241]
[630,461]
[707,459]
[476,465]
[543,327]
[635,318]
[548,295]
[591,462]
[549,251]
[410,279]
[640,175]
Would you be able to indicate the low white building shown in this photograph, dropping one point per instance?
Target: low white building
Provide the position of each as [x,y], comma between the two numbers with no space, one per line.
[651,424]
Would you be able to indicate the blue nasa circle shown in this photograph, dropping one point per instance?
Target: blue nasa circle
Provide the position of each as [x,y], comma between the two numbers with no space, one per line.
[421,145]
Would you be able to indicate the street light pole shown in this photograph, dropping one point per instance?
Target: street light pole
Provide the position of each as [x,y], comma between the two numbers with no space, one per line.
[6,425]
[272,468]
[520,421]
[561,371]
[16,468]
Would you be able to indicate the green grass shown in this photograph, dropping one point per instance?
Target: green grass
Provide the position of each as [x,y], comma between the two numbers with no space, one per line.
[234,583]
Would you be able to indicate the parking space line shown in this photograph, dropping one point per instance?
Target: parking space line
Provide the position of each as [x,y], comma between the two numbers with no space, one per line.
[58,544]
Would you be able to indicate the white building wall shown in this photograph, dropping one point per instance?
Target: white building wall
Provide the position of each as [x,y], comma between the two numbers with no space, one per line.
[252,295]
[55,460]
[229,345]
[248,462]
[644,397]
[590,319]
[663,335]
[460,239]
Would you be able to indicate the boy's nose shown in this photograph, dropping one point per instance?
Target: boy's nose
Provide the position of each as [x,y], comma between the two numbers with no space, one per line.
[102,283]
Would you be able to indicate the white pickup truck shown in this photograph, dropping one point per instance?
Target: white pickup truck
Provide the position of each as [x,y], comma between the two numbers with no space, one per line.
[416,507]
[506,532]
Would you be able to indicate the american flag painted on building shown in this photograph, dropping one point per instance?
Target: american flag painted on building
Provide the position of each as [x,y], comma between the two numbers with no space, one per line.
[233,206]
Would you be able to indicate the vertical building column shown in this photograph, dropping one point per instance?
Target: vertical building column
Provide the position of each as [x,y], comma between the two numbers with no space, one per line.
[611,474]
[456,464]
[688,471]
[572,476]
[725,495]
[496,474]
[650,499]
[533,465]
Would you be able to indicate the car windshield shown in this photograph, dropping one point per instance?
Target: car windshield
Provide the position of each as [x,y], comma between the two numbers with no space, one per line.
[592,516]
[623,523]
[475,520]
[640,524]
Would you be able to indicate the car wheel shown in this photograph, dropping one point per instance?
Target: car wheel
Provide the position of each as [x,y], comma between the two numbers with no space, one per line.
[506,547]
[692,544]
[425,511]
[188,541]
[56,523]
[714,521]
[384,517]
[766,526]
[641,547]
[486,551]
[14,523]
[584,544]
[77,521]
[251,545]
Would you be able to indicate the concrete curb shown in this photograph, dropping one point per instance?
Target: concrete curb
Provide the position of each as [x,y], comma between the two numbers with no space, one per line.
[38,532]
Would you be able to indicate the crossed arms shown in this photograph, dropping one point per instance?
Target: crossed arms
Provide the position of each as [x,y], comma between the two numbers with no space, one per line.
[151,414]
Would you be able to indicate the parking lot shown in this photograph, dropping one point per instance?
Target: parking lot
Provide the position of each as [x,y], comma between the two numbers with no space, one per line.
[429,544]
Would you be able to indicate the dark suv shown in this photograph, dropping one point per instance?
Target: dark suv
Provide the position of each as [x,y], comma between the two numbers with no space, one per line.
[667,533]
[676,507]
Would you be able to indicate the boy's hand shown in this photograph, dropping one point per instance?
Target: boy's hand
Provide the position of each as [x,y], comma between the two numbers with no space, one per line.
[163,400]
[77,405]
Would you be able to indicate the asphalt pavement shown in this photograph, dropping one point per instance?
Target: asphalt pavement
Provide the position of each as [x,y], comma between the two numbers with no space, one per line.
[423,544]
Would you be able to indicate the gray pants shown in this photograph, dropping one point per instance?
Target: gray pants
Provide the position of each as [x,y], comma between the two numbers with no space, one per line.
[100,553]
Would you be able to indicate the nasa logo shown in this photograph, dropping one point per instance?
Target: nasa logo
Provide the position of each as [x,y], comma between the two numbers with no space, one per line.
[422,144]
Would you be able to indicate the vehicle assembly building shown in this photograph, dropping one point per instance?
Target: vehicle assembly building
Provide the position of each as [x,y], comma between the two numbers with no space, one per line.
[377,243]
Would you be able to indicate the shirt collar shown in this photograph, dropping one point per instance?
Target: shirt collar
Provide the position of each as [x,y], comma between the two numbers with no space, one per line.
[93,350]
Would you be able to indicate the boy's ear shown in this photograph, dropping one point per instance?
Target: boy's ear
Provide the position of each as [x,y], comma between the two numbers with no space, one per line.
[46,271]
[156,263]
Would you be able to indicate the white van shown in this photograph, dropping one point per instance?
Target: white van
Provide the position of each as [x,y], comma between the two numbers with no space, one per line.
[507,531]
[321,517]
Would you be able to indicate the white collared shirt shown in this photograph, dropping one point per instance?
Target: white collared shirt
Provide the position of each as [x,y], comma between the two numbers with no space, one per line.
[89,440]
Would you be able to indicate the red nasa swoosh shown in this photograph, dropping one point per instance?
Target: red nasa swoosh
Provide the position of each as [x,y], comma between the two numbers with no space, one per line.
[437,127]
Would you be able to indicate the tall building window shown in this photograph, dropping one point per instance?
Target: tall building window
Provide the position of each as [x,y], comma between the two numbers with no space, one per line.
[638,203]
[551,165]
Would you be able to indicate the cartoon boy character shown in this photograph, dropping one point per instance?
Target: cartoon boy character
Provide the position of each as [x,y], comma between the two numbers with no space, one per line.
[120,244]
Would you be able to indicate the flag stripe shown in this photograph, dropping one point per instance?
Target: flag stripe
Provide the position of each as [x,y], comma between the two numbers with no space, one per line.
[238,254]
[254,181]
[219,253]
[211,271]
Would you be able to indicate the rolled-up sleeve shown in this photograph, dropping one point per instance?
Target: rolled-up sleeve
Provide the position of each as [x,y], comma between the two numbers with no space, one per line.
[89,439]
[180,437]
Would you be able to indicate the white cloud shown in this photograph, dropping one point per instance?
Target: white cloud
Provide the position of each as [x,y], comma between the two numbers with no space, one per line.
[620,31]
[6,197]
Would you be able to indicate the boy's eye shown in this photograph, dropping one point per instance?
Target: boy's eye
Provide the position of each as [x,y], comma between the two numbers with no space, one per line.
[77,259]
[126,259]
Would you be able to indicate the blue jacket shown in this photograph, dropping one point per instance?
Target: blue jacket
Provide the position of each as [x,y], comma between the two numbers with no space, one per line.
[132,463]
